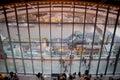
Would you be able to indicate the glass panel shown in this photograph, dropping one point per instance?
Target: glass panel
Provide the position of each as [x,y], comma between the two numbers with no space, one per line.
[100,29]
[3,32]
[75,66]
[45,33]
[116,48]
[23,26]
[67,36]
[56,41]
[61,38]
[56,66]
[111,19]
[101,68]
[7,47]
[19,66]
[118,67]
[34,34]
[37,65]
[28,66]
[16,50]
[25,49]
[10,65]
[13,33]
[24,33]
[46,69]
[2,65]
[92,46]
[111,31]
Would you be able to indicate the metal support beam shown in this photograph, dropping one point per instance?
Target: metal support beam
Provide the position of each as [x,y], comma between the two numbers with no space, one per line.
[16,15]
[73,5]
[102,44]
[116,61]
[91,55]
[112,41]
[84,24]
[61,36]
[9,36]
[51,38]
[27,15]
[4,55]
[40,37]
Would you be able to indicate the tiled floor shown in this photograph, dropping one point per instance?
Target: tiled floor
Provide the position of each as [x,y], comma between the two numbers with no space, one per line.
[56,66]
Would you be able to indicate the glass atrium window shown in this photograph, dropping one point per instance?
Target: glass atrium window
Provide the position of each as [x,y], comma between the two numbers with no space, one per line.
[45,36]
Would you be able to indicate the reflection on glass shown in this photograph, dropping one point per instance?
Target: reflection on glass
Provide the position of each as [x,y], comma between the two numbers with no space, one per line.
[57,40]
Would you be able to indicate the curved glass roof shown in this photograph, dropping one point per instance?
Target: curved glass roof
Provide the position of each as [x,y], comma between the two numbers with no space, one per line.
[52,12]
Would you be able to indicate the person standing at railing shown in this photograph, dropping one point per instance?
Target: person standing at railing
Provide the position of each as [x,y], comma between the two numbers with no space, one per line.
[16,76]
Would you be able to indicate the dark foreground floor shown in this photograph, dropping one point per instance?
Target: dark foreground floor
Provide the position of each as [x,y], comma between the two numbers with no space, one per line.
[49,78]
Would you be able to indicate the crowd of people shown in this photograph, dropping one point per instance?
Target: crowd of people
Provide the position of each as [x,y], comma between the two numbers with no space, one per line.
[99,77]
[61,76]
[11,76]
[111,78]
[39,76]
[85,76]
